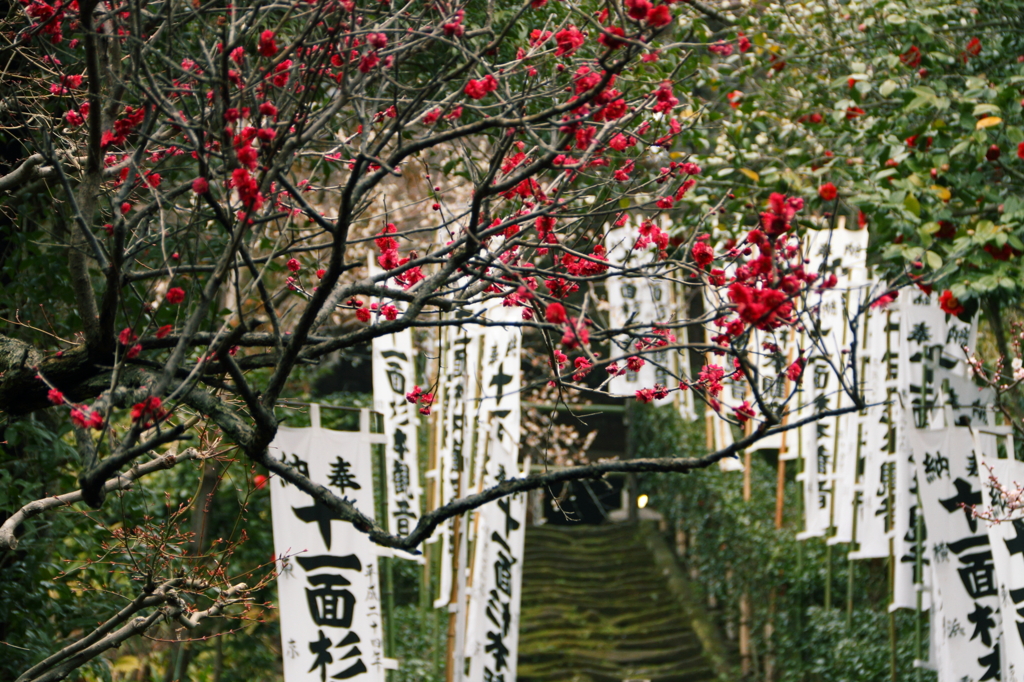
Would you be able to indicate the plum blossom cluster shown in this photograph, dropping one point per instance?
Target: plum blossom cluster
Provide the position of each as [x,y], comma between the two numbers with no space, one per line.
[389,258]
[417,396]
[82,416]
[768,273]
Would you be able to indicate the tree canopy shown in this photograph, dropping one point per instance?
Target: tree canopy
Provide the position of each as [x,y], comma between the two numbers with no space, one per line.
[192,192]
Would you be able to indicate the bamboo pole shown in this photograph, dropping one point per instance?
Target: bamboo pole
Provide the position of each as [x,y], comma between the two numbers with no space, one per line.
[919,579]
[780,484]
[449,674]
[745,616]
[780,481]
[892,590]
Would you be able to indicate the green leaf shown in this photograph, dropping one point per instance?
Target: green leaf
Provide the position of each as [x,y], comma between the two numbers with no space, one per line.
[959,147]
[888,87]
[917,103]
[933,260]
[912,204]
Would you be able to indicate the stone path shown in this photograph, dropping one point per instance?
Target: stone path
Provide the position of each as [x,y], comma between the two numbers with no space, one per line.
[595,609]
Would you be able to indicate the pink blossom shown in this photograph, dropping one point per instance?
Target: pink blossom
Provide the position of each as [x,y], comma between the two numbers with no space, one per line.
[659,16]
[720,48]
[568,40]
[127,336]
[267,46]
[555,313]
[645,395]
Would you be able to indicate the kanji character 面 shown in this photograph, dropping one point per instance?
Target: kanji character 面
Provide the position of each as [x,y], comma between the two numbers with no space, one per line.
[396,377]
[329,605]
[978,572]
[503,565]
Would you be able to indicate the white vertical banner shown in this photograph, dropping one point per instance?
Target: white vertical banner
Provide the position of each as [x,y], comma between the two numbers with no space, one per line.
[961,555]
[498,571]
[881,385]
[328,592]
[459,374]
[684,399]
[1007,544]
[837,252]
[394,375]
[734,392]
[766,352]
[937,653]
[906,510]
[636,301]
[498,413]
[922,326]
[931,362]
[500,383]
[845,486]
[931,341]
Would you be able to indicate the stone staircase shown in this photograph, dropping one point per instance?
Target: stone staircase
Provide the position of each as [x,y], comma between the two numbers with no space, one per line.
[596,609]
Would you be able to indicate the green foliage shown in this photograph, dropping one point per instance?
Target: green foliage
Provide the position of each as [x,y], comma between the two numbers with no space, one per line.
[905,109]
[71,565]
[419,644]
[733,548]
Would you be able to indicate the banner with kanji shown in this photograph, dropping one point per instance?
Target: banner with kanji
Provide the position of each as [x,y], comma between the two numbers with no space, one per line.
[493,620]
[998,465]
[635,302]
[394,375]
[880,375]
[837,255]
[330,607]
[459,378]
[498,415]
[960,552]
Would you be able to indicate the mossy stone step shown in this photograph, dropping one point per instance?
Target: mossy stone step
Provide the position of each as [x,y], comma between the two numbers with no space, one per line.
[595,609]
